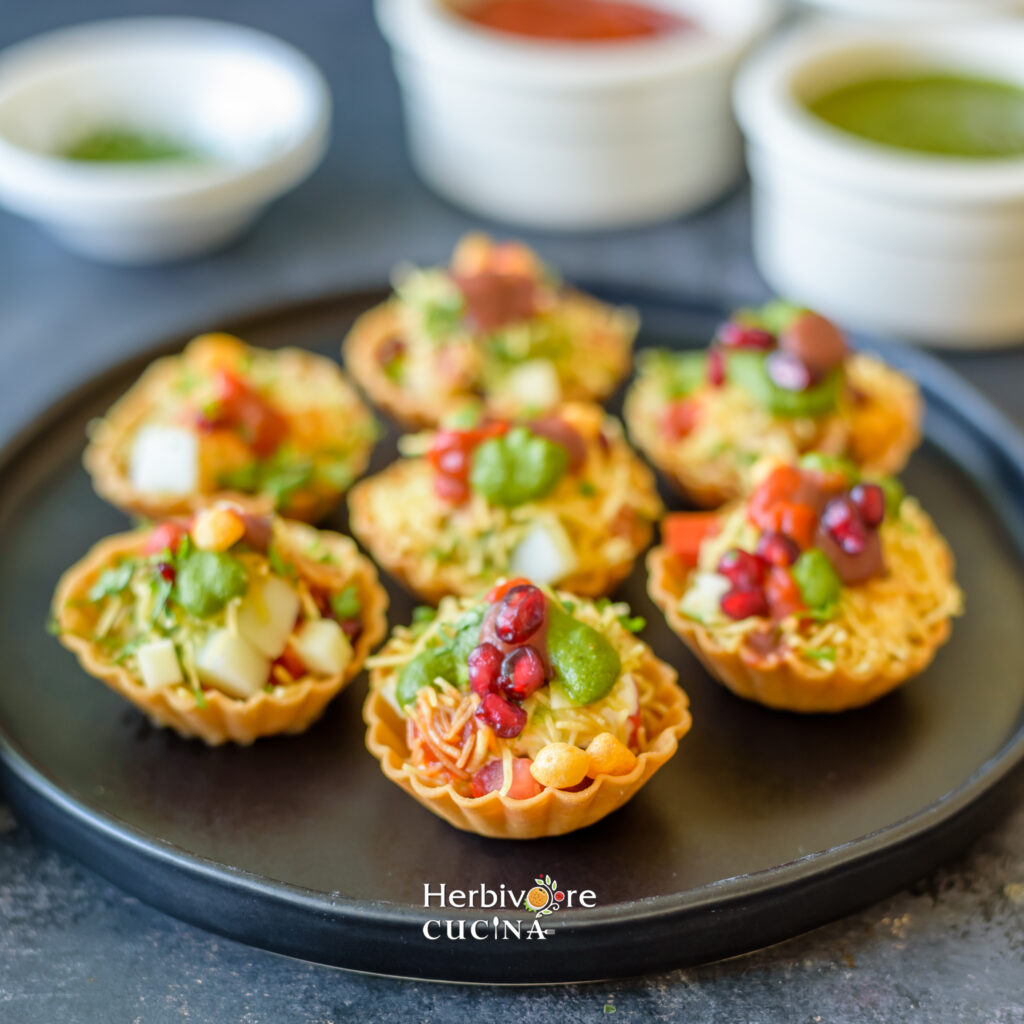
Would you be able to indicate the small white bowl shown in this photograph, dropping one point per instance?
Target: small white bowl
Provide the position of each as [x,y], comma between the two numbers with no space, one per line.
[568,135]
[255,107]
[916,10]
[926,248]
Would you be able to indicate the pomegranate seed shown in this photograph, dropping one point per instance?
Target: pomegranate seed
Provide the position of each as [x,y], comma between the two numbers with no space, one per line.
[778,549]
[166,571]
[446,441]
[870,500]
[506,720]
[484,669]
[743,602]
[788,372]
[492,777]
[351,628]
[741,568]
[259,531]
[205,423]
[451,488]
[843,522]
[520,614]
[522,673]
[716,368]
[488,778]
[734,335]
[390,350]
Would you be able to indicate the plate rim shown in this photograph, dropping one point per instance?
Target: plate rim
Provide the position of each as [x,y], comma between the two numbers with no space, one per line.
[945,388]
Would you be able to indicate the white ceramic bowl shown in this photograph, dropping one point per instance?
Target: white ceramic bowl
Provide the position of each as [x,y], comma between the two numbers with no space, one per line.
[256,107]
[930,249]
[571,136]
[916,10]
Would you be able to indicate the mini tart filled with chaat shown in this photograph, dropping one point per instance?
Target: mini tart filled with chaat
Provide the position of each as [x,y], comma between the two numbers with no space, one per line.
[267,429]
[775,382]
[229,627]
[562,499]
[526,713]
[822,592]
[497,325]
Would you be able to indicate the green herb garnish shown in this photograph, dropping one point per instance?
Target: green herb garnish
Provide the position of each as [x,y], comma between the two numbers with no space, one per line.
[112,581]
[347,604]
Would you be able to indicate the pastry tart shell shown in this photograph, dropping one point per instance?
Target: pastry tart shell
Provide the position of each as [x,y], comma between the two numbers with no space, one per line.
[878,447]
[288,709]
[552,812]
[783,681]
[410,569]
[104,457]
[380,325]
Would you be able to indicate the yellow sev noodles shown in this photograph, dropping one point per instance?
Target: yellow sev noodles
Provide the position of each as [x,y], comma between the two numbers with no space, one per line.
[732,432]
[879,624]
[606,510]
[448,744]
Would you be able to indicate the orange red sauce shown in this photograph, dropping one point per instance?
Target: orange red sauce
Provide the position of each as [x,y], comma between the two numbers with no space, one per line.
[576,21]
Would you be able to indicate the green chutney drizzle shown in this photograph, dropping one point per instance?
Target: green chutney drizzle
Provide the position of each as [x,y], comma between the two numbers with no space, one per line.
[938,113]
[119,146]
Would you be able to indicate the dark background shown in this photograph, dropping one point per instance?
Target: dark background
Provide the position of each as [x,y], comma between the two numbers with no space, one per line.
[74,949]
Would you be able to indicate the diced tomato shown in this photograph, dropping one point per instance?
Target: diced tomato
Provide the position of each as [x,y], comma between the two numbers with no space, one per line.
[781,484]
[798,521]
[782,592]
[776,505]
[678,418]
[451,453]
[684,532]
[492,777]
[498,592]
[294,665]
[262,427]
[451,488]
[791,518]
[165,536]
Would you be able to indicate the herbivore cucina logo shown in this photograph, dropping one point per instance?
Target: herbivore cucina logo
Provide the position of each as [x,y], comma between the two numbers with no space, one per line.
[543,898]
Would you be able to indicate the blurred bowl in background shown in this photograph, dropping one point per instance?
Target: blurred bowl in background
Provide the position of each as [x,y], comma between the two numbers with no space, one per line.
[191,127]
[573,135]
[916,10]
[925,247]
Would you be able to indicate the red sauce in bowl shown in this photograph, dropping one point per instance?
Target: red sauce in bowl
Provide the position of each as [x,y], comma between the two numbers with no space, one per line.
[575,21]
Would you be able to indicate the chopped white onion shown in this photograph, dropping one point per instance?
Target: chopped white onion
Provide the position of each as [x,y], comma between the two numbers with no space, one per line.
[545,554]
[267,614]
[230,663]
[322,646]
[165,460]
[158,664]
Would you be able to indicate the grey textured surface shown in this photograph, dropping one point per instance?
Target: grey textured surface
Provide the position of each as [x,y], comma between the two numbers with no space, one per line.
[75,949]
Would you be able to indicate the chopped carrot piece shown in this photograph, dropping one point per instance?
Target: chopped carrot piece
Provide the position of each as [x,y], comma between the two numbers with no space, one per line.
[684,532]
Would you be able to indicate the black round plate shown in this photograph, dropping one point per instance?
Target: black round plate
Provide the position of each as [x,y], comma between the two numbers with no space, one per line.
[763,825]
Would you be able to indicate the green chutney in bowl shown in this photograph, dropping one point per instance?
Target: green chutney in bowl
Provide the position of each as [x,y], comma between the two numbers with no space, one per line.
[933,112]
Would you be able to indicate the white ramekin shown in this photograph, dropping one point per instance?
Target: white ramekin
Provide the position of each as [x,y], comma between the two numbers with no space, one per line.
[925,248]
[257,105]
[916,10]
[572,136]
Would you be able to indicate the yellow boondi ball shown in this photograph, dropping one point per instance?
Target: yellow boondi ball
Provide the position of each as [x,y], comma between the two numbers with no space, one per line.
[216,529]
[609,756]
[560,765]
[216,351]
